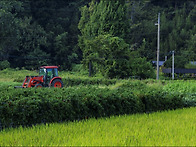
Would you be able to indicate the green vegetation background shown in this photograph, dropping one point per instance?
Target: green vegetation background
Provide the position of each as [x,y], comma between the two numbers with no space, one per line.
[40,32]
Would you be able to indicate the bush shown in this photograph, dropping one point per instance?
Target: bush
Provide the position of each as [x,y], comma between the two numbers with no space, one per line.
[140,67]
[87,81]
[31,106]
[157,101]
[4,64]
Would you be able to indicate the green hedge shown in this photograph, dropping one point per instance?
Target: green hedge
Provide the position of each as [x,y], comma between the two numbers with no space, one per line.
[32,106]
[87,81]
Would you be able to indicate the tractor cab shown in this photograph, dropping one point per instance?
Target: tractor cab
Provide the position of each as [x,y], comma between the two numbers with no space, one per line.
[48,72]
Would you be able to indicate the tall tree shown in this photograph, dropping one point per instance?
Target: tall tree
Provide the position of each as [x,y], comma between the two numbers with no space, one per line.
[32,44]
[8,27]
[58,18]
[98,20]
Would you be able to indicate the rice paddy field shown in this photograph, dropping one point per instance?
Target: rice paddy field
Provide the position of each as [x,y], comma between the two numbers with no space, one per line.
[168,128]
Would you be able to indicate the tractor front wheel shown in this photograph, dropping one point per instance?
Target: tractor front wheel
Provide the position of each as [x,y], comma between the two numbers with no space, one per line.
[57,83]
[38,86]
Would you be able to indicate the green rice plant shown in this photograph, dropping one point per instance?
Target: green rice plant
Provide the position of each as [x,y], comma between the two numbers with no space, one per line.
[168,128]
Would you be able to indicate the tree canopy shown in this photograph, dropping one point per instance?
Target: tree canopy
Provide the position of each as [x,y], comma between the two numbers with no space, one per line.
[104,28]
[107,35]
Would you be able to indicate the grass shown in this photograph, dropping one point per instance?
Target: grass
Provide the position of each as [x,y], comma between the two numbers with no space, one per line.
[169,128]
[15,75]
[12,75]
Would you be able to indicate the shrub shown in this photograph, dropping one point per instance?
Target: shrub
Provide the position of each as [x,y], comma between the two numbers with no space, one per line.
[140,67]
[87,81]
[31,106]
[4,64]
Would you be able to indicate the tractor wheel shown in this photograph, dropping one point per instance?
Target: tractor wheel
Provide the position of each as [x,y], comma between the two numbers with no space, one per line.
[57,83]
[38,86]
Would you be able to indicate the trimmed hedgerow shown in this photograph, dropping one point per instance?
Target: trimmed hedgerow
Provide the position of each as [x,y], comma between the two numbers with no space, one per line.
[32,106]
[87,81]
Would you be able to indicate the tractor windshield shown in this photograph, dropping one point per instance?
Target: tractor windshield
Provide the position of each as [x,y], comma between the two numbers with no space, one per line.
[52,72]
[49,72]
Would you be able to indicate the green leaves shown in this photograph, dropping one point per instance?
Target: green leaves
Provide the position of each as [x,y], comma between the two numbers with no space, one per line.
[33,106]
[102,37]
[109,56]
[142,68]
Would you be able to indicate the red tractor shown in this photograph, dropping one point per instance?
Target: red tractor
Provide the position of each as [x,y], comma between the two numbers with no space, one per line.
[48,77]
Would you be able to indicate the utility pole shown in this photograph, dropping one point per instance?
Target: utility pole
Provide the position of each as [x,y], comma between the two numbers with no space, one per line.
[158,45]
[172,65]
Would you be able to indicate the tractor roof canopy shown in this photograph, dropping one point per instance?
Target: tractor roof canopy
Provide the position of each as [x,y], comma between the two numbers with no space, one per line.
[50,71]
[49,67]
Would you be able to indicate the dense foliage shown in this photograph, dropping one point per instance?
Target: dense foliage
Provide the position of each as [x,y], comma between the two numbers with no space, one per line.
[41,32]
[31,106]
[104,41]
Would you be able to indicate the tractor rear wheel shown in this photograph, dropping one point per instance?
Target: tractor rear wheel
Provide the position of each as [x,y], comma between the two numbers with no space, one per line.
[57,83]
[38,86]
